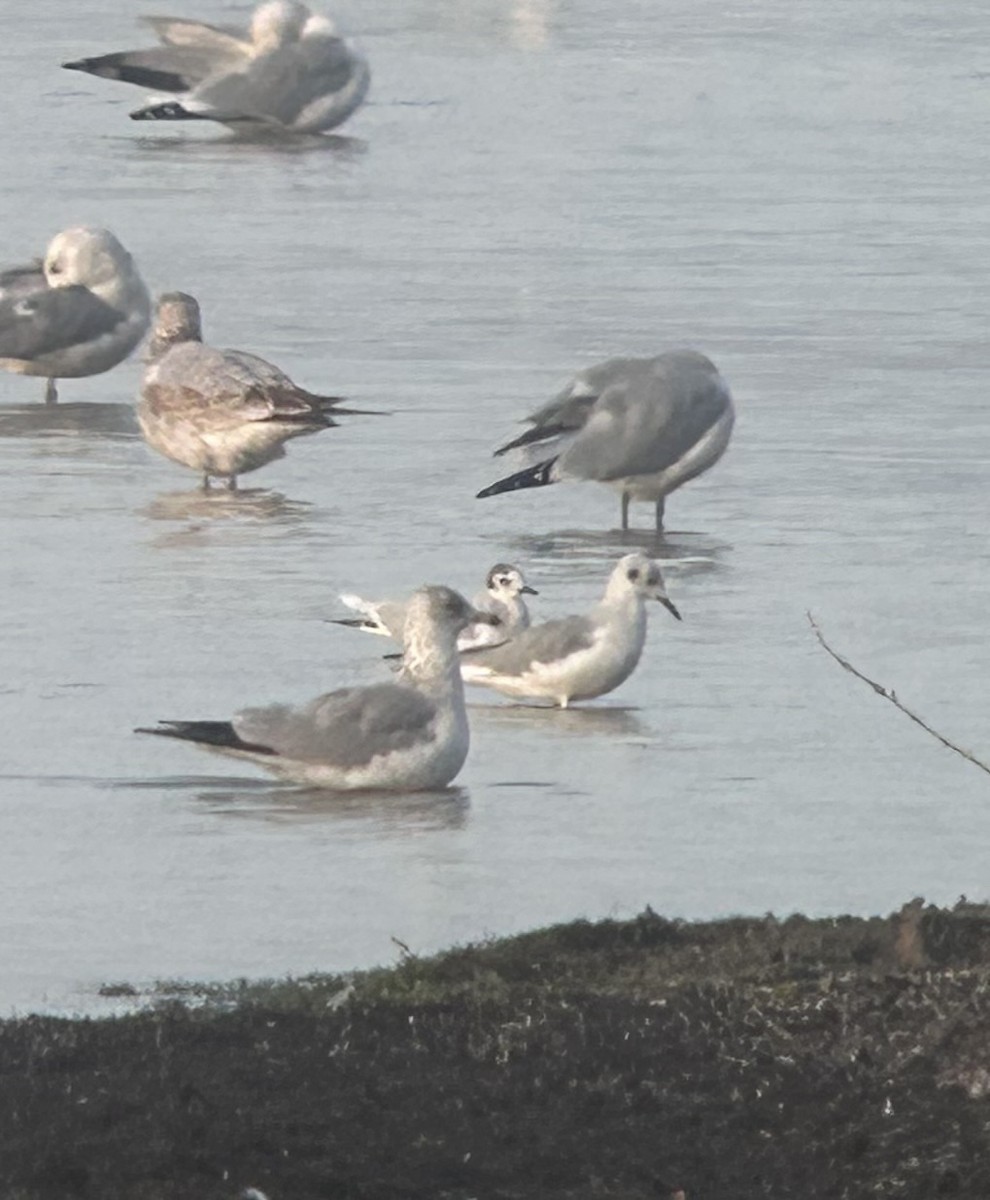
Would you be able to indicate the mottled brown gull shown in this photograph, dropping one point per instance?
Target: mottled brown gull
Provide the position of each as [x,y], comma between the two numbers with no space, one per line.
[220,412]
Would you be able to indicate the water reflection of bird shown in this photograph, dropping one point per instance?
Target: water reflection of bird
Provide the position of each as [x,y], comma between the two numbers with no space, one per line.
[79,312]
[644,426]
[579,657]
[408,735]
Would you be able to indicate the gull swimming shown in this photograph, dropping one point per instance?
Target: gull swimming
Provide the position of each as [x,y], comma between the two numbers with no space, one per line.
[290,71]
[502,598]
[220,412]
[644,426]
[408,735]
[579,657]
[79,311]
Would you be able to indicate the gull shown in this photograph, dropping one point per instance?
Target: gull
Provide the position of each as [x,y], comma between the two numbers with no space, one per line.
[407,735]
[502,597]
[644,426]
[220,412]
[78,312]
[291,71]
[580,657]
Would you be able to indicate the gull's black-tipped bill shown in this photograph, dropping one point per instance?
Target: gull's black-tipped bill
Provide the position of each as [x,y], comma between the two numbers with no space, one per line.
[539,476]
[670,606]
[206,733]
[526,590]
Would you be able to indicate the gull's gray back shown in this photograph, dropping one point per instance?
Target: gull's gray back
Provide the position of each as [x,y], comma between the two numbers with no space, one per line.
[279,85]
[544,643]
[346,728]
[647,417]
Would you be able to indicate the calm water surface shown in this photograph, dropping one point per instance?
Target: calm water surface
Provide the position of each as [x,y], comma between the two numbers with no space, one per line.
[796,188]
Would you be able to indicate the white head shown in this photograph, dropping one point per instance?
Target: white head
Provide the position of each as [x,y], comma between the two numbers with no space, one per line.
[276,23]
[505,582]
[641,576]
[91,257]
[318,26]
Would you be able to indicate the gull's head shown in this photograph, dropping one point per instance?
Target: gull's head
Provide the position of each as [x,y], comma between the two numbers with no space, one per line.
[443,610]
[90,257]
[506,582]
[318,26]
[641,575]
[276,23]
[177,319]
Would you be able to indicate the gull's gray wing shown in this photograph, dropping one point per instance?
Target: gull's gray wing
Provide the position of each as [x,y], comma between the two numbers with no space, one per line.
[223,388]
[545,643]
[569,409]
[22,281]
[277,86]
[191,52]
[39,321]
[647,419]
[346,728]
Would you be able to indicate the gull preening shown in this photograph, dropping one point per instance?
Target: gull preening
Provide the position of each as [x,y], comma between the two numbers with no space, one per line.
[220,412]
[79,311]
[408,735]
[501,598]
[579,657]
[289,71]
[644,426]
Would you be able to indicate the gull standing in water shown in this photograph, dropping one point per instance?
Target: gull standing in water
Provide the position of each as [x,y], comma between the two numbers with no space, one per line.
[644,426]
[220,412]
[580,657]
[502,598]
[79,312]
[291,72]
[407,735]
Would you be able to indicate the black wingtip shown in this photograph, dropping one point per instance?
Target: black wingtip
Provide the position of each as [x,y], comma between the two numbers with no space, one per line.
[171,110]
[205,733]
[538,476]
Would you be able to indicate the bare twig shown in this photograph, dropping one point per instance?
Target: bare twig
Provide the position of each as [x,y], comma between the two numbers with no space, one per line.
[889,694]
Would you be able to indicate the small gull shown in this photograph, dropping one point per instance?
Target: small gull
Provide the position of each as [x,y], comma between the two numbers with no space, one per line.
[220,412]
[80,311]
[644,426]
[502,597]
[407,735]
[290,72]
[580,657]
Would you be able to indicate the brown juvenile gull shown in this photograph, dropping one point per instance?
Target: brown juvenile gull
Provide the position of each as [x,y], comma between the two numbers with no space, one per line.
[78,312]
[580,657]
[502,597]
[408,735]
[220,412]
[644,426]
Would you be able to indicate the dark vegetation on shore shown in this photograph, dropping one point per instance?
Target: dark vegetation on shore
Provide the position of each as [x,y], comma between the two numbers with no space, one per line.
[792,1059]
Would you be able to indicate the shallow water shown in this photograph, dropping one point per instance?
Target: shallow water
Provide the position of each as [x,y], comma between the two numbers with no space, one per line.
[793,188]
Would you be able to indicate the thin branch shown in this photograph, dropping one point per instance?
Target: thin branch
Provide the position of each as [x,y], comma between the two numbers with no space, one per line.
[889,694]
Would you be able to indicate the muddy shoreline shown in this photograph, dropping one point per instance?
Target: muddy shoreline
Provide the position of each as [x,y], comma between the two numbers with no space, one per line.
[743,1058]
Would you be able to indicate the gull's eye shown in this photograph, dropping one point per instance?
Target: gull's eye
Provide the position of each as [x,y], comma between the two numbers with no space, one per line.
[633,574]
[55,268]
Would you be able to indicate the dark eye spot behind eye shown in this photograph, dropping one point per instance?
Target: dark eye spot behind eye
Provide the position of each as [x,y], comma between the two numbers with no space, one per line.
[633,574]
